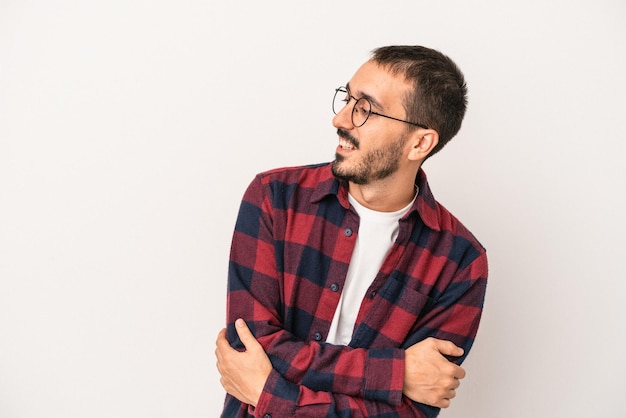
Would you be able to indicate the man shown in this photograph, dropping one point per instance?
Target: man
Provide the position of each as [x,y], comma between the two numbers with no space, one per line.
[361,294]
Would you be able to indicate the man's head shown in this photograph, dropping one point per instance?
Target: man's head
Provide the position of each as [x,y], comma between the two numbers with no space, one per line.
[400,107]
[438,98]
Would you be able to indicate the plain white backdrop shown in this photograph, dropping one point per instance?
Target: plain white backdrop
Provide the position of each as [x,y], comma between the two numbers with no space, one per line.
[129,130]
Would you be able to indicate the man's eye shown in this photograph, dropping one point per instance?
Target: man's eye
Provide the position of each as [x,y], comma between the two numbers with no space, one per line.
[360,108]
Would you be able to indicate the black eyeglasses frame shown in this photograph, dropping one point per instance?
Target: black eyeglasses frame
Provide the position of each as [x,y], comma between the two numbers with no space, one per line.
[344,90]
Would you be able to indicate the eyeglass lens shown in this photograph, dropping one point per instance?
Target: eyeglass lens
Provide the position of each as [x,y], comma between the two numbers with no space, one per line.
[361,110]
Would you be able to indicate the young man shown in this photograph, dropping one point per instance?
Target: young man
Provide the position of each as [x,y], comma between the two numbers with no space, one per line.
[361,293]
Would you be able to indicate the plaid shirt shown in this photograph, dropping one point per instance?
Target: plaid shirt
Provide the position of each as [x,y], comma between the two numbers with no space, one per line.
[292,244]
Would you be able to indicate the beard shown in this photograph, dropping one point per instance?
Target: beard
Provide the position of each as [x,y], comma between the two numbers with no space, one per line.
[376,164]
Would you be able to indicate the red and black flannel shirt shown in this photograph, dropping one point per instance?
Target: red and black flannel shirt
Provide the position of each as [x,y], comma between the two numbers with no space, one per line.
[291,247]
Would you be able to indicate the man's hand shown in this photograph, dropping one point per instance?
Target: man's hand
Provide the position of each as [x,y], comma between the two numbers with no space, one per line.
[244,373]
[429,377]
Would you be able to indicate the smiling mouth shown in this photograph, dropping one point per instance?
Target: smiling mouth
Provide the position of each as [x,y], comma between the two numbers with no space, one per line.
[344,144]
[346,141]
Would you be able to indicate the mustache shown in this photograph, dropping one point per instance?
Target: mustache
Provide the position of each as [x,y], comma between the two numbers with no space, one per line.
[345,135]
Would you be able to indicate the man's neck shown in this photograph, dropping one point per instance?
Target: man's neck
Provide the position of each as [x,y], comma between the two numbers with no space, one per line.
[387,195]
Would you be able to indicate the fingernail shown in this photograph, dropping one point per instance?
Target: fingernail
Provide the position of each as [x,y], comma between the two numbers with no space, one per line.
[240,323]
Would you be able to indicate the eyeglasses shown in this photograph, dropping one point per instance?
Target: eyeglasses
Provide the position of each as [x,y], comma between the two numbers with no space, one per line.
[362,108]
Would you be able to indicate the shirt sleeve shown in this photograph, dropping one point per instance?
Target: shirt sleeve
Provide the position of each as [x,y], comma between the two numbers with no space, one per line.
[254,294]
[283,398]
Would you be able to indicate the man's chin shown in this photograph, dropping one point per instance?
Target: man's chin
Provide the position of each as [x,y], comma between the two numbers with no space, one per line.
[346,176]
[336,169]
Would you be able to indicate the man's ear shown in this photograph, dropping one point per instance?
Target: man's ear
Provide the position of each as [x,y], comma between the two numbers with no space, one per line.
[424,142]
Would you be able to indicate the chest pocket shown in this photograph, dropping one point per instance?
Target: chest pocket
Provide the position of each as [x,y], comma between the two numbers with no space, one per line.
[394,311]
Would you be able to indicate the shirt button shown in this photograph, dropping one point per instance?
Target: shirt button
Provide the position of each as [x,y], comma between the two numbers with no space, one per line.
[373,293]
[317,336]
[334,287]
[347,232]
[267,416]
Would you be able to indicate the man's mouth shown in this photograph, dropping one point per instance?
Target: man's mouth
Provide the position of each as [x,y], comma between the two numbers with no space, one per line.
[345,144]
[346,141]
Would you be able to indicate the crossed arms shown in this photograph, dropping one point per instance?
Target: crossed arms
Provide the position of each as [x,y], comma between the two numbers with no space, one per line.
[429,377]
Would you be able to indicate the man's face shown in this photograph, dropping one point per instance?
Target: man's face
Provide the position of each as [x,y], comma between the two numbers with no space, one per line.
[377,149]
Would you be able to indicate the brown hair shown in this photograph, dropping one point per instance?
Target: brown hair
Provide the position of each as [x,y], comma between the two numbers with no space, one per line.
[439,97]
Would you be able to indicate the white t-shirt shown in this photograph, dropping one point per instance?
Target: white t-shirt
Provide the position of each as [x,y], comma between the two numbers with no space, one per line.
[377,233]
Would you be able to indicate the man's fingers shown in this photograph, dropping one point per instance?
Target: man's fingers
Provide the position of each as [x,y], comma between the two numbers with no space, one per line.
[221,343]
[222,348]
[448,348]
[245,335]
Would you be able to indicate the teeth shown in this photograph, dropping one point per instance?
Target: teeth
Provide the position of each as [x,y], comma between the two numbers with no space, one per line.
[345,144]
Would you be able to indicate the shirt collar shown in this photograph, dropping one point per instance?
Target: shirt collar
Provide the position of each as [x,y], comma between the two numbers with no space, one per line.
[425,204]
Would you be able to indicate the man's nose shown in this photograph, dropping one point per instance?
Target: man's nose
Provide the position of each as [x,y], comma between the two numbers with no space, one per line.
[343,119]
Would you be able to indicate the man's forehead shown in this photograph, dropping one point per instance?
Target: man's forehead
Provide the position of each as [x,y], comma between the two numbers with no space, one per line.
[362,93]
[377,84]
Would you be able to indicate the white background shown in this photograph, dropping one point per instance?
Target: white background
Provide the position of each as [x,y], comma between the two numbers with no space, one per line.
[130,129]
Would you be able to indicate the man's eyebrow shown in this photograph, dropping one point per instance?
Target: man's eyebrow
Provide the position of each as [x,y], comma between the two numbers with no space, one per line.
[372,100]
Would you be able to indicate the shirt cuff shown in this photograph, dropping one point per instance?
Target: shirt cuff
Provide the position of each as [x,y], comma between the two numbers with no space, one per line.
[278,398]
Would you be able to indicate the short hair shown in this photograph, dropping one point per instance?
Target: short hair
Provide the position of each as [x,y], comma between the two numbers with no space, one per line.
[439,96]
